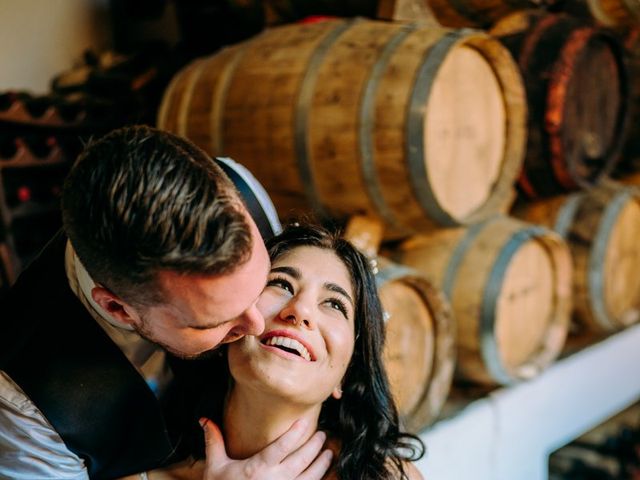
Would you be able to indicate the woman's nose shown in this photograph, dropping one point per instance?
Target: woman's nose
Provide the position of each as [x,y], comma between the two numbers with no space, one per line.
[298,313]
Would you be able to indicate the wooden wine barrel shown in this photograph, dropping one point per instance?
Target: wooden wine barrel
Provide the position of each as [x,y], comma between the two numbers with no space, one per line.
[342,117]
[630,159]
[577,94]
[602,228]
[509,284]
[419,352]
[478,13]
[610,13]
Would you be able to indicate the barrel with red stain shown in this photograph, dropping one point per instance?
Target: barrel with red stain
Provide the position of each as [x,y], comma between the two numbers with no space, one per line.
[577,95]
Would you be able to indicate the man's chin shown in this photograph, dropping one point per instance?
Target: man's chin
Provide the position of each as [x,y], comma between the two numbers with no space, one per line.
[197,356]
[177,353]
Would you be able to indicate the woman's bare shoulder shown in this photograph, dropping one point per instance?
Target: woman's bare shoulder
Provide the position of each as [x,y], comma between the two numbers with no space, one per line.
[412,472]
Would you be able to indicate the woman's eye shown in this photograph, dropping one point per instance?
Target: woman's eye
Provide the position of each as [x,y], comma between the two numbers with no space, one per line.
[339,305]
[280,283]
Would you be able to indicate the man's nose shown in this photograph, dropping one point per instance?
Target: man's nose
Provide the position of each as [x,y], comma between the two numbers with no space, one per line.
[252,321]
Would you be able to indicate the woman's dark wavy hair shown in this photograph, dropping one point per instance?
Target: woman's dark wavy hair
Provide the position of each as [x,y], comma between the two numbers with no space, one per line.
[365,419]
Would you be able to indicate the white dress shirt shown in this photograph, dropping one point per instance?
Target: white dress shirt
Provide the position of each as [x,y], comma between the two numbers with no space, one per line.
[30,448]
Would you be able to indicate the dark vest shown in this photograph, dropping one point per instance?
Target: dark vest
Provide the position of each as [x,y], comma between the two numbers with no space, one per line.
[82,382]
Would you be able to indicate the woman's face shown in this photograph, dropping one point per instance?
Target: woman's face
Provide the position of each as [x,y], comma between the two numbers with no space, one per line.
[304,352]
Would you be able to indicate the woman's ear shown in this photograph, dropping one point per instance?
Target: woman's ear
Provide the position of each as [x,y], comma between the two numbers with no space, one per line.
[113,305]
[337,392]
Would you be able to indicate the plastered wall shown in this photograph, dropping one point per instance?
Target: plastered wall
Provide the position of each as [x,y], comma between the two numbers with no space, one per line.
[40,38]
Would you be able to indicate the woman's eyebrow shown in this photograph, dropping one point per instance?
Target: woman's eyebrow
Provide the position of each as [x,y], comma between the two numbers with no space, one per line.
[338,289]
[291,271]
[295,273]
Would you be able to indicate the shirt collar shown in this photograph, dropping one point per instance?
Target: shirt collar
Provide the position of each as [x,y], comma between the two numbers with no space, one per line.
[86,285]
[148,358]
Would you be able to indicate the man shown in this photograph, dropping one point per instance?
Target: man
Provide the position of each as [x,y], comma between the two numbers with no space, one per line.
[158,260]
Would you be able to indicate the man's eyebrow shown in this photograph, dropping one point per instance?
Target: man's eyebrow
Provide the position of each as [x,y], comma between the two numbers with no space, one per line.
[338,289]
[291,271]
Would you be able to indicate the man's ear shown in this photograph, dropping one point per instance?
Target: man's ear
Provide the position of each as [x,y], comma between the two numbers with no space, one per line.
[117,308]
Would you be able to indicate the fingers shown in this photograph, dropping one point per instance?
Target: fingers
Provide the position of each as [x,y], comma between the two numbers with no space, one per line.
[318,468]
[284,458]
[300,460]
[214,443]
[287,443]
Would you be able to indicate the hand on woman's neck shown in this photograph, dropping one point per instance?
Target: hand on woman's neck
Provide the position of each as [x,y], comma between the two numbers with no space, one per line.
[252,420]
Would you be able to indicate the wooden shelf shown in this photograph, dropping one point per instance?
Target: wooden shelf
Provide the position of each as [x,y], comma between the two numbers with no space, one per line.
[33,208]
[509,433]
[18,114]
[24,160]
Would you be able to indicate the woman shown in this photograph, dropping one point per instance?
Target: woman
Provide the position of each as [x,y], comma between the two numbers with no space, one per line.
[319,359]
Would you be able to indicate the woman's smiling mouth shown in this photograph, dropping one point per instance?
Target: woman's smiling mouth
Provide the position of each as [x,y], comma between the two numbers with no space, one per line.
[286,342]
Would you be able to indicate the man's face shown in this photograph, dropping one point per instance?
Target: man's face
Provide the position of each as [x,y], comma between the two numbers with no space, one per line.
[201,312]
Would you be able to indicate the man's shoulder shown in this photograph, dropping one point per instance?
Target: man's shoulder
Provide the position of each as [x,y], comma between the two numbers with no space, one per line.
[12,397]
[25,455]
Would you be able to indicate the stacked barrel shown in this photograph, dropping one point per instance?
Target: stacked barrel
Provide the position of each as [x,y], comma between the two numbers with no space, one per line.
[449,140]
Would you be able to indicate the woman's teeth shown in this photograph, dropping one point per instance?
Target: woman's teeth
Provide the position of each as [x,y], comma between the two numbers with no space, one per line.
[290,344]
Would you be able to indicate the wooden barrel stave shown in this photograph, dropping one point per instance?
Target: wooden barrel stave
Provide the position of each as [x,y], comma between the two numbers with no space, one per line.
[261,111]
[171,109]
[334,117]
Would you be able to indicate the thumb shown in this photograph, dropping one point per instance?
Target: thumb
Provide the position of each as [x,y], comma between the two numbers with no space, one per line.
[215,450]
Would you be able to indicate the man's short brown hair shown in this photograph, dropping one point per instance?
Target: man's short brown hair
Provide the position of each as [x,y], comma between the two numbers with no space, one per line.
[140,200]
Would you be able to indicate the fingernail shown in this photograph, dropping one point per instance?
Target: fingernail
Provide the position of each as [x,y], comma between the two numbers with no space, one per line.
[203,421]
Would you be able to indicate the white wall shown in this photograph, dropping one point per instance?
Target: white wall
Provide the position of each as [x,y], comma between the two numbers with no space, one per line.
[41,38]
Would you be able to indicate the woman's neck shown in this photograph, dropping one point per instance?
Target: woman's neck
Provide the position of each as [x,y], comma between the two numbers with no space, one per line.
[252,420]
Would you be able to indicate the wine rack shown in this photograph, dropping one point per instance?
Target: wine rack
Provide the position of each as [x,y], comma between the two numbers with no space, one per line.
[42,135]
[33,165]
[60,112]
